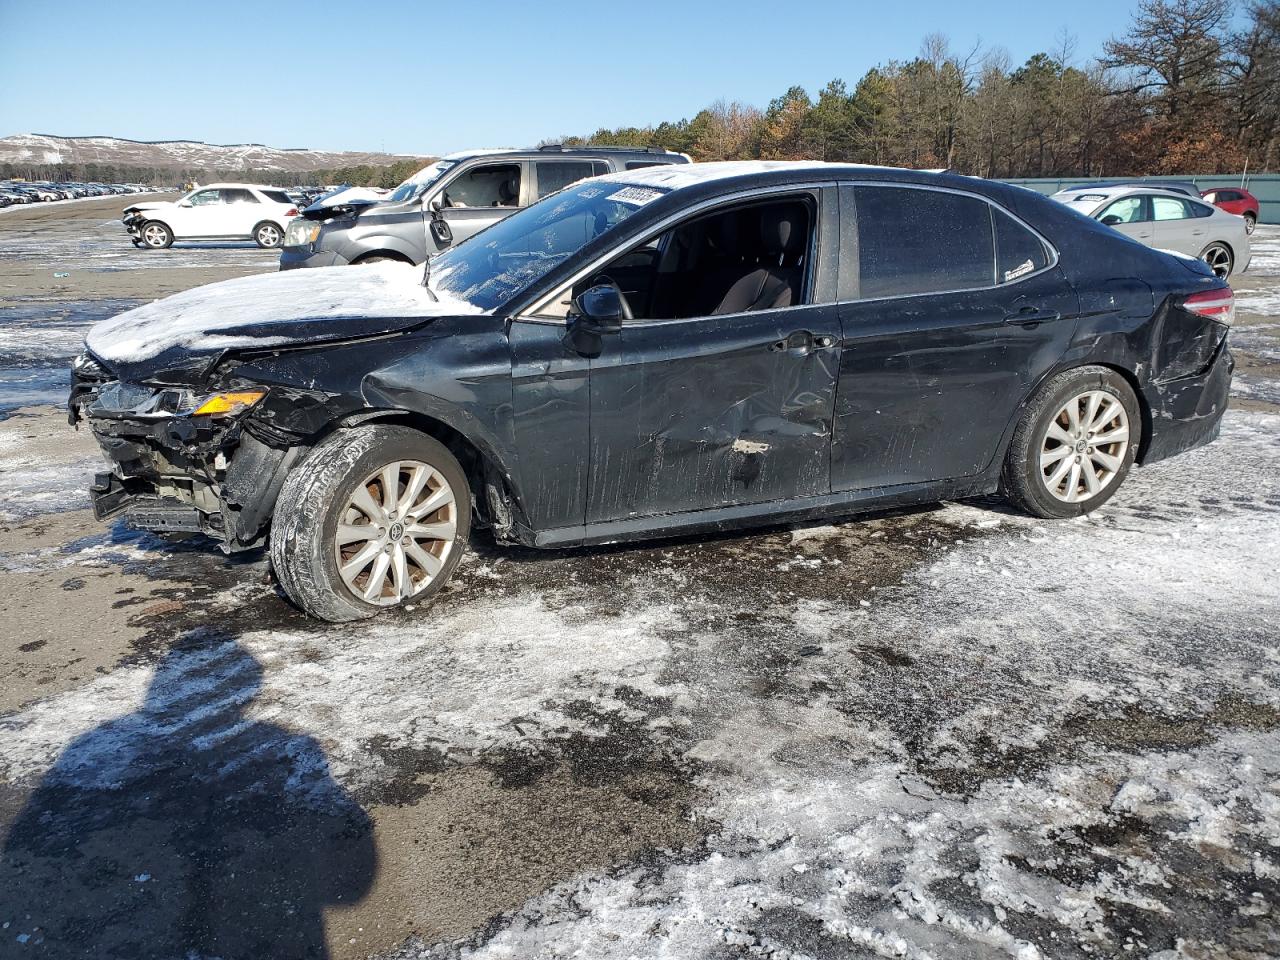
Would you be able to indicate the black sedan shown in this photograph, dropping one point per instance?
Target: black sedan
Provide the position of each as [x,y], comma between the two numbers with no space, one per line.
[664,351]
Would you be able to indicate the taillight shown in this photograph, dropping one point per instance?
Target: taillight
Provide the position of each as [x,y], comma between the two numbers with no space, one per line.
[1217,305]
[291,212]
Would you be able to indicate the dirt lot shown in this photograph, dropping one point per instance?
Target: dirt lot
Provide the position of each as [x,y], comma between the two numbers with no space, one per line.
[948,732]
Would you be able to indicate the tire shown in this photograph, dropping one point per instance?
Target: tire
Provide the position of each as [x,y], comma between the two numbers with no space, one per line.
[268,235]
[319,496]
[1220,259]
[1250,223]
[156,235]
[1036,455]
[376,259]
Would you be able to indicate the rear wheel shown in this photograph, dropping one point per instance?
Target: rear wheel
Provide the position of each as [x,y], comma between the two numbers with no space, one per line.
[1218,257]
[267,235]
[374,517]
[156,235]
[1250,221]
[1074,445]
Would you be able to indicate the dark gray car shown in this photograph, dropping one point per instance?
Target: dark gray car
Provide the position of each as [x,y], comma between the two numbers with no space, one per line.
[452,199]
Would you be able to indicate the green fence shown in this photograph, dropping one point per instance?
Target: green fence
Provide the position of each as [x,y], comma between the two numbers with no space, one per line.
[1264,186]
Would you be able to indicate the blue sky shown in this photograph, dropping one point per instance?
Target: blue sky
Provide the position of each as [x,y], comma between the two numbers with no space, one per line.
[435,77]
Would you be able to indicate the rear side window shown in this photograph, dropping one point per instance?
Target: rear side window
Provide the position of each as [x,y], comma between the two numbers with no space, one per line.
[1168,208]
[555,175]
[638,164]
[237,195]
[1018,250]
[277,196]
[922,241]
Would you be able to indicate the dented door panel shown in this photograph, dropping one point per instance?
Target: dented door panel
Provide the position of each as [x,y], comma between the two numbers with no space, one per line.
[713,411]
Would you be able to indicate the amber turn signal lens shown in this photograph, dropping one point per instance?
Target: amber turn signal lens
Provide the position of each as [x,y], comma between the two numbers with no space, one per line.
[224,403]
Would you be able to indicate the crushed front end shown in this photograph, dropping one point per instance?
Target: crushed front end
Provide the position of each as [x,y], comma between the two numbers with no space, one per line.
[183,459]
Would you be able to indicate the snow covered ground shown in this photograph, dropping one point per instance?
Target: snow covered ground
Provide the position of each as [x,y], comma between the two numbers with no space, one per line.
[954,732]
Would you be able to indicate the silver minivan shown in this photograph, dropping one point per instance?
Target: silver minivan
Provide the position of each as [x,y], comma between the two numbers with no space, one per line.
[445,203]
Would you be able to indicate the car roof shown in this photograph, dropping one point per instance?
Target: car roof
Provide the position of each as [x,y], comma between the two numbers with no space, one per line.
[555,149]
[1113,192]
[236,186]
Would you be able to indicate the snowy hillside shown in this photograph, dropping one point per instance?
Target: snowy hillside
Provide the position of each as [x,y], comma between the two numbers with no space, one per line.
[41,148]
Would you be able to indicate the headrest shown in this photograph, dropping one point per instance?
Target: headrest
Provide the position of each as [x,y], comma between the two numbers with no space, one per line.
[781,228]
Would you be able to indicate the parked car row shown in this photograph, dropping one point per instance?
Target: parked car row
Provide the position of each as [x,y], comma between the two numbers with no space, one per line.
[1170,219]
[653,352]
[13,192]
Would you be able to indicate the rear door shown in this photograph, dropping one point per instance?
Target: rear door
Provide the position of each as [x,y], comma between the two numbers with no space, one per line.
[951,311]
[1179,225]
[242,211]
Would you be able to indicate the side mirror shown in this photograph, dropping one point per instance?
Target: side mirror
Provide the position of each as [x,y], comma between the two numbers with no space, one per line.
[600,308]
[596,312]
[1111,220]
[440,229]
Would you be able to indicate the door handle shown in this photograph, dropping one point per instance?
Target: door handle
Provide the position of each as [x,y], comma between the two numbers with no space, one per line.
[801,342]
[1031,315]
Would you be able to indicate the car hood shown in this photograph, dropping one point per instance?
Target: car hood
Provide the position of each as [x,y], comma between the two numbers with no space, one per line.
[170,339]
[157,205]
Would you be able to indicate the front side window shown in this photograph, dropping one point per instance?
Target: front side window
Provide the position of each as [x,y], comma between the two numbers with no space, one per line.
[488,185]
[749,257]
[555,175]
[237,195]
[204,198]
[1124,210]
[505,259]
[913,241]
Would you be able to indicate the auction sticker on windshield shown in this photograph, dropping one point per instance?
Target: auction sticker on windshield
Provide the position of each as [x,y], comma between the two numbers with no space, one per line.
[636,196]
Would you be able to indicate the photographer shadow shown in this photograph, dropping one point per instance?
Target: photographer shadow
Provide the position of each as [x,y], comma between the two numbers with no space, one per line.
[185,828]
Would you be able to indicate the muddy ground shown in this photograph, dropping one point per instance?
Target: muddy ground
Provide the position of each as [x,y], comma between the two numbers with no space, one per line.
[945,732]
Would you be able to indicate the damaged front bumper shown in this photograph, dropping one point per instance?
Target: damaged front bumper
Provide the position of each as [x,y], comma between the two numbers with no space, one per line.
[175,472]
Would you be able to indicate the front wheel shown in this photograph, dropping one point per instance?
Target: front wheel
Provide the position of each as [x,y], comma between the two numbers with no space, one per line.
[374,517]
[267,235]
[1074,444]
[157,235]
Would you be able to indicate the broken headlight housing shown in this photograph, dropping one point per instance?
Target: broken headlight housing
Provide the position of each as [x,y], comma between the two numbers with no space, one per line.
[301,232]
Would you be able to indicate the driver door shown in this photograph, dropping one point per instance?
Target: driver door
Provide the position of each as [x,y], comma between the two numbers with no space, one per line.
[476,197]
[1131,216]
[715,407]
[205,215]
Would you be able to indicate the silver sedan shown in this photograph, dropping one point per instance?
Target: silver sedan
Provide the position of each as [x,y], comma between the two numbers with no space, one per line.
[1168,220]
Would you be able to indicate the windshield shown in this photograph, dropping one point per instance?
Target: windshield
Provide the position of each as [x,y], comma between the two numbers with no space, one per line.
[498,263]
[421,180]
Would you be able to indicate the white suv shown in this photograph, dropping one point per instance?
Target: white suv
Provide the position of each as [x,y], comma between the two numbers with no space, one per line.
[220,211]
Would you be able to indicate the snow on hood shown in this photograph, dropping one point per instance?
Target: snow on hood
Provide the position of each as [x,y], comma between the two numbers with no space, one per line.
[240,313]
[350,195]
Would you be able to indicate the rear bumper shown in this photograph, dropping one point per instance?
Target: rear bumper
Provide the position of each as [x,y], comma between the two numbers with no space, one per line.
[1187,412]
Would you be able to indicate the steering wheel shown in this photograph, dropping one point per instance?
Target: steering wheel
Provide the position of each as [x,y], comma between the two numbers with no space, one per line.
[604,279]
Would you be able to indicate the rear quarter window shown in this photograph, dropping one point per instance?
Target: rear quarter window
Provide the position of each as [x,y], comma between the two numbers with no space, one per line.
[277,196]
[913,241]
[1019,252]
